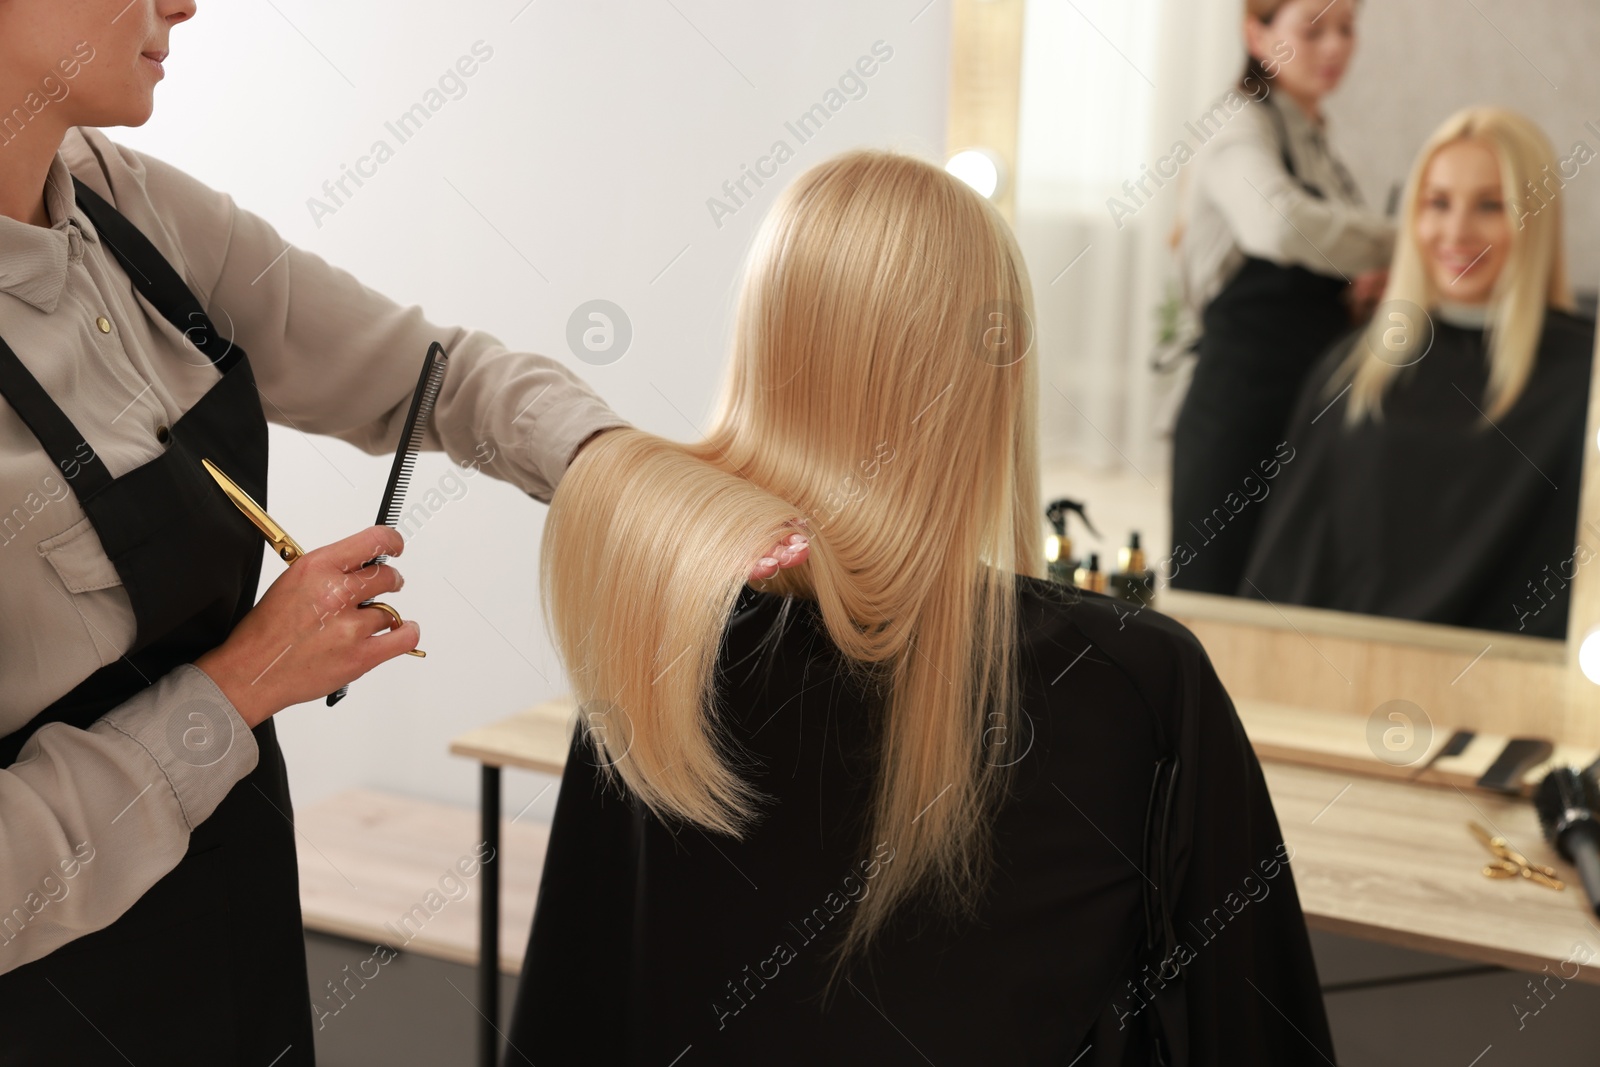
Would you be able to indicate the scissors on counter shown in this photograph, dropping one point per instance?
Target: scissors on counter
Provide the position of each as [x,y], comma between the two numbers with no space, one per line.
[1509,863]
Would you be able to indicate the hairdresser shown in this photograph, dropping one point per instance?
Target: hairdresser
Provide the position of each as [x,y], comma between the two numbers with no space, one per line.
[1279,258]
[149,901]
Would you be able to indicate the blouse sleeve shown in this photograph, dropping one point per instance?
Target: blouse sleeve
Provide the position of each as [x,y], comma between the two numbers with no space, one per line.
[334,357]
[91,819]
[1272,217]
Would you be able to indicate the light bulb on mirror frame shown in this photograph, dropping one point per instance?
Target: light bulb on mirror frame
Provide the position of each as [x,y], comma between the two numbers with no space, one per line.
[1589,648]
[981,168]
[1589,656]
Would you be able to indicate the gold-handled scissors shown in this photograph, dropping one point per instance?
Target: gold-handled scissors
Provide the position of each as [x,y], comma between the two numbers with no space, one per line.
[1509,863]
[285,546]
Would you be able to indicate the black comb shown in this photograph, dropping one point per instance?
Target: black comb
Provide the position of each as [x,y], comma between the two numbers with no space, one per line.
[423,399]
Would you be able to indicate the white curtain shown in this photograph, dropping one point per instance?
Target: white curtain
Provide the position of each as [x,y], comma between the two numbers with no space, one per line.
[1107,86]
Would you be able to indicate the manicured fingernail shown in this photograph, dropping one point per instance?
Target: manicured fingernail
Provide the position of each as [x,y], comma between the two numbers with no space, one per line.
[766,561]
[402,582]
[799,540]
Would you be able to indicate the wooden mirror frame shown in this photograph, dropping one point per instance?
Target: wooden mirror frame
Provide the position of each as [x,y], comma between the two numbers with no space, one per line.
[1328,661]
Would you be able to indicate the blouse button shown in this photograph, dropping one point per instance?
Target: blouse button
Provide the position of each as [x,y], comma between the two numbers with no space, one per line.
[163,434]
[104,324]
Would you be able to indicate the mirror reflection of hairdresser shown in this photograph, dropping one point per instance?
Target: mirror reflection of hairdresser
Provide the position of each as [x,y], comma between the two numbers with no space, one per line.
[1439,453]
[897,800]
[1277,253]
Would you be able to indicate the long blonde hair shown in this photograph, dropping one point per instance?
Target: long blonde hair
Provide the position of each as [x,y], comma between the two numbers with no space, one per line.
[1533,277]
[865,393]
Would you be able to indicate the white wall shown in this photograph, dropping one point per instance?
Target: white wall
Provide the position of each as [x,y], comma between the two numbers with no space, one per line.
[590,141]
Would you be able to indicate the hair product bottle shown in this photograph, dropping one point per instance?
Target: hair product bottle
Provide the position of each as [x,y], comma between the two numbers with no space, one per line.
[1058,546]
[1133,580]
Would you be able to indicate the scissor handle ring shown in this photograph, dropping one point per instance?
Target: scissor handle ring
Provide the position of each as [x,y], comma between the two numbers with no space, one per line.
[394,615]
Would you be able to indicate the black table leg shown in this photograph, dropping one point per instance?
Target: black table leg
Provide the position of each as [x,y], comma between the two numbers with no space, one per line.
[489,921]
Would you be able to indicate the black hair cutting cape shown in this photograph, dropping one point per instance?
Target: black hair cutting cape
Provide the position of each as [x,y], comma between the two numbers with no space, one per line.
[1431,513]
[674,946]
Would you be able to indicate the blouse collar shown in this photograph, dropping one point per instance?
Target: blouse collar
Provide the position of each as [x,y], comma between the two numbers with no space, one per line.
[1300,124]
[34,259]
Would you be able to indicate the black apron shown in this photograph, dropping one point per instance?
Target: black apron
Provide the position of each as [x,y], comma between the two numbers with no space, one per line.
[1259,338]
[208,967]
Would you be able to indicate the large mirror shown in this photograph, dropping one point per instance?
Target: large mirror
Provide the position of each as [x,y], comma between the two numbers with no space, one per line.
[1351,321]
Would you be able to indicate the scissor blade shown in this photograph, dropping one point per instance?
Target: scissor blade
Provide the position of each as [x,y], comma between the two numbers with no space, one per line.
[282,543]
[1485,836]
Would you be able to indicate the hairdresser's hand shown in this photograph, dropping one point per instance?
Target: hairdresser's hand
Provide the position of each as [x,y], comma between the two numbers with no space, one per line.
[307,637]
[1365,291]
[788,552]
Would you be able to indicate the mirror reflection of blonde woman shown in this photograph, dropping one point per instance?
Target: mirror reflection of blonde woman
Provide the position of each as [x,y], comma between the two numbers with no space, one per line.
[1275,250]
[899,798]
[1440,451]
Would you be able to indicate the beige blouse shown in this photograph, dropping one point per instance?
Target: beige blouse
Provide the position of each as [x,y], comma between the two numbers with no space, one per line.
[1242,202]
[91,819]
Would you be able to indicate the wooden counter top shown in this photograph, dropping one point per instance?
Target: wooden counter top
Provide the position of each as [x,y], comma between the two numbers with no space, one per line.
[1394,862]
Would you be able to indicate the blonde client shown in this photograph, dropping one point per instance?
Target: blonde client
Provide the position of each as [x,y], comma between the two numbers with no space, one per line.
[908,800]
